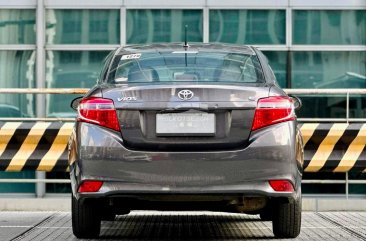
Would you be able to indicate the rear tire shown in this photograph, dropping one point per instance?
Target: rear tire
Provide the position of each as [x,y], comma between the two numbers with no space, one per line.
[287,219]
[86,218]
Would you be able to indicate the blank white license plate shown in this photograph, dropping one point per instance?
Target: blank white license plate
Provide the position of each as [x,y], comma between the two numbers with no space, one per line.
[185,124]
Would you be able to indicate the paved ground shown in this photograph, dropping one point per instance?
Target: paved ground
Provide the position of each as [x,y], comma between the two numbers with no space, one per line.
[182,226]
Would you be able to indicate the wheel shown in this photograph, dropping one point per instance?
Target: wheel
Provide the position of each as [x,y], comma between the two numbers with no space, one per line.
[86,219]
[287,219]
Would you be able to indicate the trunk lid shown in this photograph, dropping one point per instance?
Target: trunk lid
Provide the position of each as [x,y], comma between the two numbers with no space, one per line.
[185,117]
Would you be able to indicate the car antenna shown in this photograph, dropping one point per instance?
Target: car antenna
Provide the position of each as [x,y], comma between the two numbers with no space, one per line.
[185,46]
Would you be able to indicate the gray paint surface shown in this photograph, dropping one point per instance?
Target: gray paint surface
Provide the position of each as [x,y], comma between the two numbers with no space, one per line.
[136,161]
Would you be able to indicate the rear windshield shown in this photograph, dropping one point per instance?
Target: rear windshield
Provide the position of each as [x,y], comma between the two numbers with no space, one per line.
[187,66]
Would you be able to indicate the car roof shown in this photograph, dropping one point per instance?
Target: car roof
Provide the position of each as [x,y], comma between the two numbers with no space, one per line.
[204,47]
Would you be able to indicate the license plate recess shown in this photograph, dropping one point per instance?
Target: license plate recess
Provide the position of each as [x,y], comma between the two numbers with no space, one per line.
[185,124]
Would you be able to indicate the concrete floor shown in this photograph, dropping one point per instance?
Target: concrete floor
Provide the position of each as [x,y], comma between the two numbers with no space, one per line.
[153,225]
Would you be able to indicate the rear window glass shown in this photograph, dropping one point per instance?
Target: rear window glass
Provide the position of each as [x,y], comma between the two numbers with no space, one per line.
[187,66]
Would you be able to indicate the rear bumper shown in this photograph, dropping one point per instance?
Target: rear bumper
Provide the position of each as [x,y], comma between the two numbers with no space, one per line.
[99,154]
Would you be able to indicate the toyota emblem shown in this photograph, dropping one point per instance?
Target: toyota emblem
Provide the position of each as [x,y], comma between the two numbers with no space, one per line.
[185,94]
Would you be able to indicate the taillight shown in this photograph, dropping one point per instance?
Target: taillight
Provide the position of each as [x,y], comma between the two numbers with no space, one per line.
[98,111]
[90,186]
[281,185]
[272,110]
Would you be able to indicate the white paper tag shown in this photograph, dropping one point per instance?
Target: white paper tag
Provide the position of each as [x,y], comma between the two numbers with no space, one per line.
[131,56]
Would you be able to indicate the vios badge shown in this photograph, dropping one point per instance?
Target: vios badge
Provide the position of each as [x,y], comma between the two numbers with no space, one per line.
[185,94]
[127,99]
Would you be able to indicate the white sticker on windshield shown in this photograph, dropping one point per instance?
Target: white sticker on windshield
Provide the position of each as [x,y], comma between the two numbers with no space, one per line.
[131,56]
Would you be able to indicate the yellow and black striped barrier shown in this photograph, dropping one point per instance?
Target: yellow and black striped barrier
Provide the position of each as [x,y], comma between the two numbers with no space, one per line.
[42,146]
[336,147]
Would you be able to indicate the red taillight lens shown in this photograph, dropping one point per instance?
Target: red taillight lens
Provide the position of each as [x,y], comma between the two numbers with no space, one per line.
[90,186]
[272,110]
[281,185]
[99,111]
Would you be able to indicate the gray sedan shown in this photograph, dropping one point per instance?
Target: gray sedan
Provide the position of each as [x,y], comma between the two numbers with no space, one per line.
[178,127]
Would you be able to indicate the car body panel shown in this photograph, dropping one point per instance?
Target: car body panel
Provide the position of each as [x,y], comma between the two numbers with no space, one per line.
[236,161]
[233,106]
[269,156]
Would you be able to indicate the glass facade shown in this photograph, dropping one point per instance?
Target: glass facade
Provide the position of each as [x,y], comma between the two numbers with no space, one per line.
[248,26]
[149,26]
[17,187]
[278,62]
[82,26]
[357,105]
[306,48]
[328,69]
[329,27]
[324,106]
[70,69]
[17,26]
[17,71]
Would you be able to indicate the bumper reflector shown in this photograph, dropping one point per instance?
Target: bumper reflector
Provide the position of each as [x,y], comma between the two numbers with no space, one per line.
[90,186]
[281,185]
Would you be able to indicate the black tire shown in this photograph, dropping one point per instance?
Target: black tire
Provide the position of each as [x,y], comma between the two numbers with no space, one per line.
[86,219]
[287,219]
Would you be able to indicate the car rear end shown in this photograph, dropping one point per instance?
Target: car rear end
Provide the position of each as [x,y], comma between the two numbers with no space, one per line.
[173,129]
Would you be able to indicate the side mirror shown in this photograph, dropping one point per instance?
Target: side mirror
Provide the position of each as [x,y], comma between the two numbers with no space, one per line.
[75,103]
[297,102]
